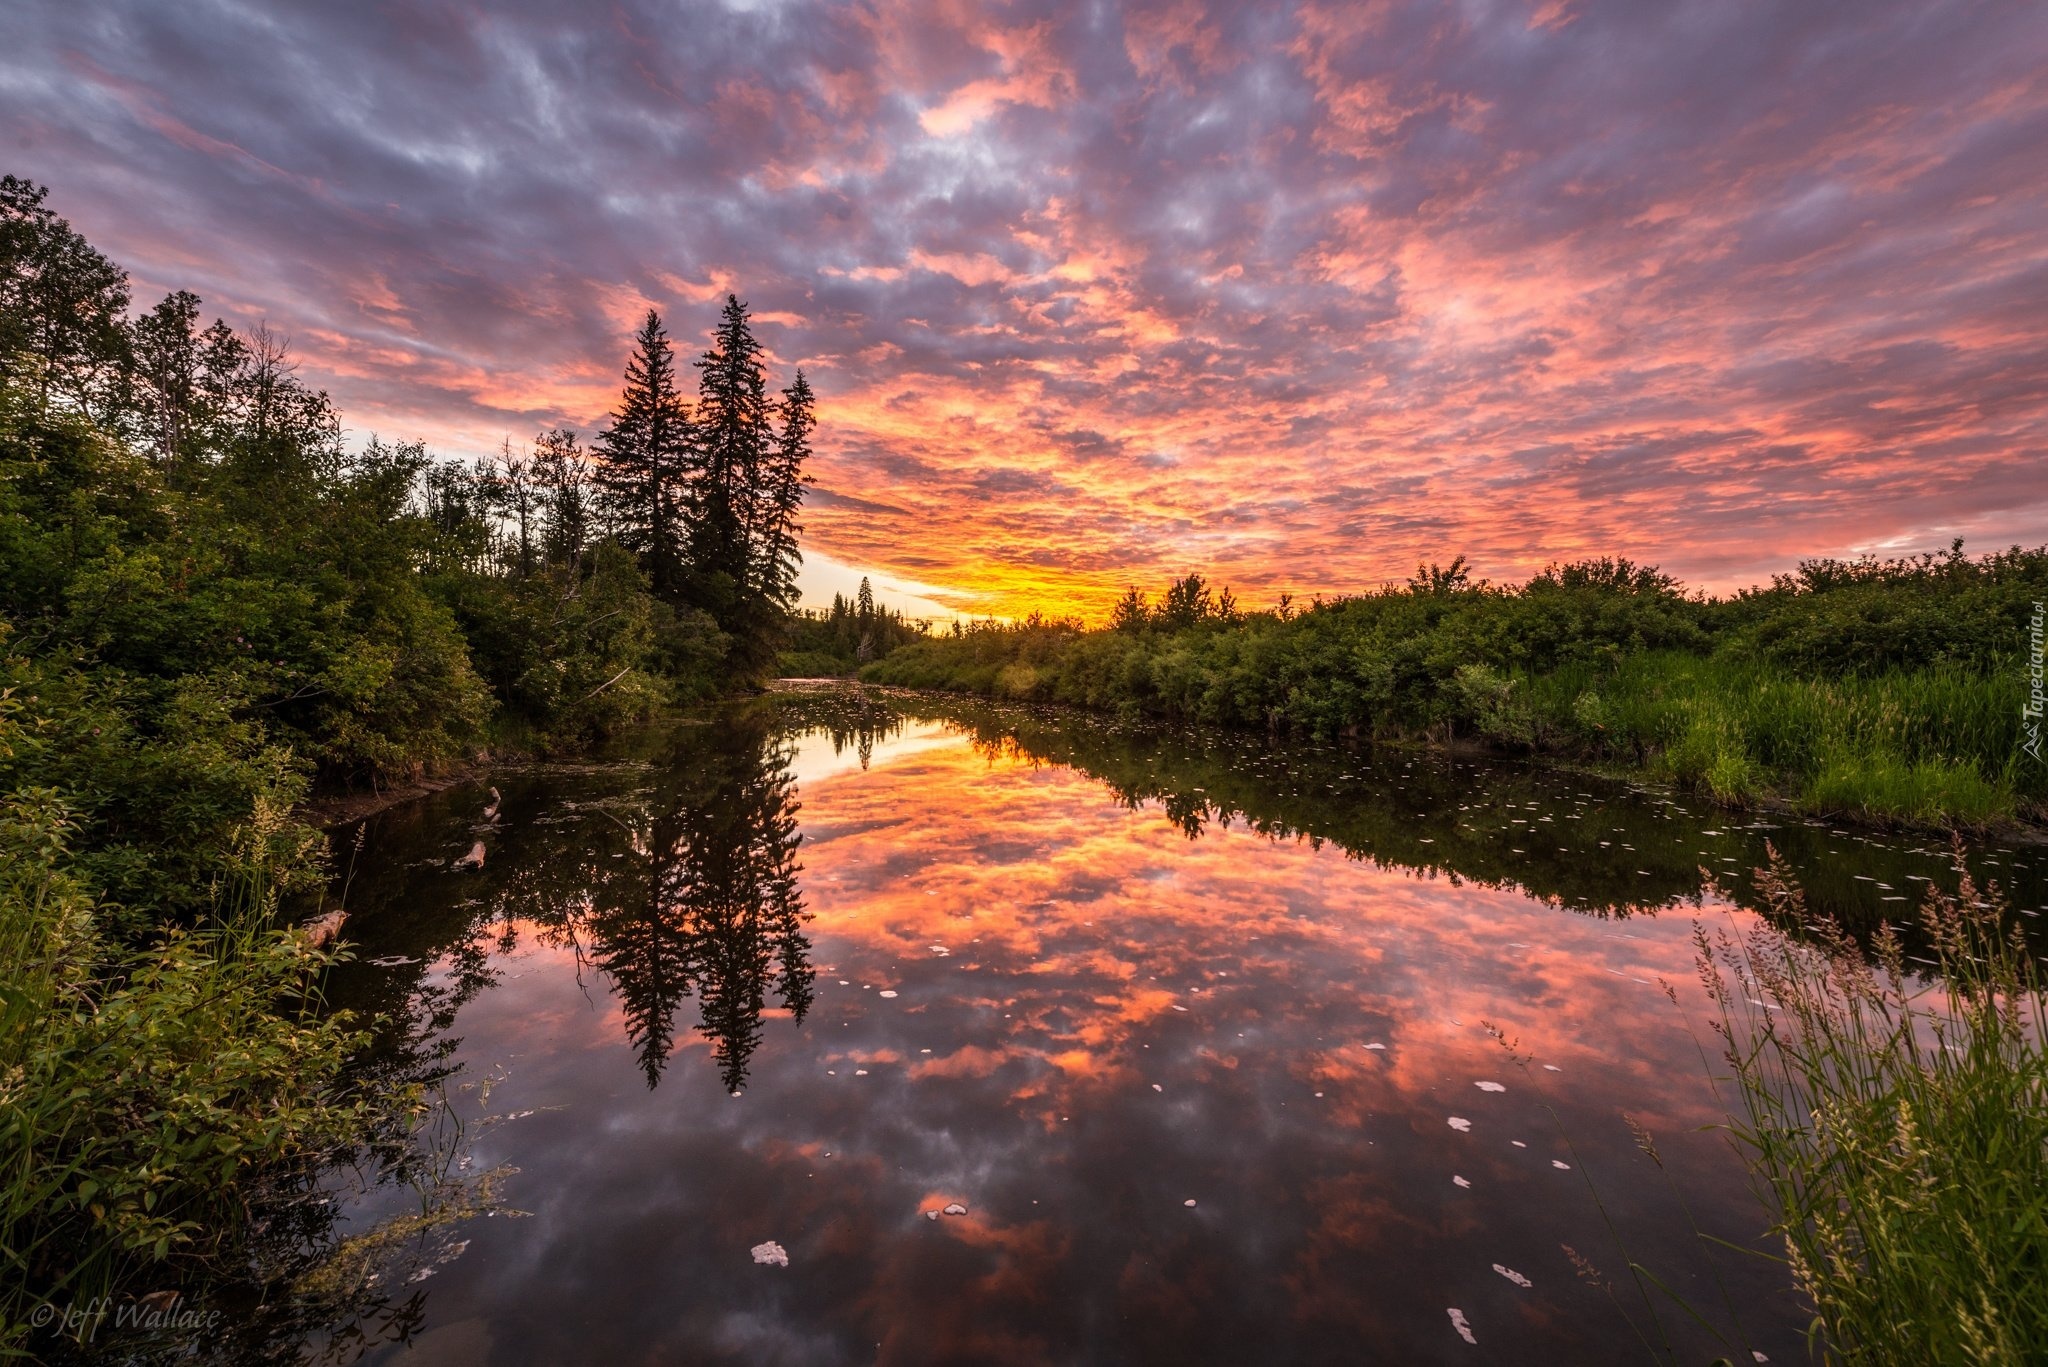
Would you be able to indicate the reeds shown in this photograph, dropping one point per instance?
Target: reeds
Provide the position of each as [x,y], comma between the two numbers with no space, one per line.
[1895,1115]
[1933,746]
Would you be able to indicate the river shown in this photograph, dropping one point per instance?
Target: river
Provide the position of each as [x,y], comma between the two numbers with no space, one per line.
[1218,1049]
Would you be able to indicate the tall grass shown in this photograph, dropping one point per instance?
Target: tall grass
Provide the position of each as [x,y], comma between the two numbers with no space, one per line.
[1898,1130]
[145,1091]
[1940,744]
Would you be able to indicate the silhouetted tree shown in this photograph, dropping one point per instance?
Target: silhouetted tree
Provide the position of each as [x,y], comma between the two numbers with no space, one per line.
[560,471]
[647,458]
[61,305]
[165,347]
[782,499]
[864,623]
[1130,612]
[726,492]
[1187,601]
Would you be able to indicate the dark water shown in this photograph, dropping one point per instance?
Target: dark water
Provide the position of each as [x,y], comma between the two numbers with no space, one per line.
[1193,1027]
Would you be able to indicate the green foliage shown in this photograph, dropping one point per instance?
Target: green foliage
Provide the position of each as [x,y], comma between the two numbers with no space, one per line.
[578,650]
[708,500]
[1779,694]
[208,606]
[1898,1130]
[823,644]
[145,1085]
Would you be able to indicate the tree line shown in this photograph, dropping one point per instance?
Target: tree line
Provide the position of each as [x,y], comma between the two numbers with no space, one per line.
[212,603]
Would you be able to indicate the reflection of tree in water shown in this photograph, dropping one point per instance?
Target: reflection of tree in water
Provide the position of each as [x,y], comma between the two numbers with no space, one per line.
[710,905]
[854,719]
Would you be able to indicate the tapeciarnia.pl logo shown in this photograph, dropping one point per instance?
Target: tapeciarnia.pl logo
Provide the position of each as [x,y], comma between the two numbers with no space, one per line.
[2030,712]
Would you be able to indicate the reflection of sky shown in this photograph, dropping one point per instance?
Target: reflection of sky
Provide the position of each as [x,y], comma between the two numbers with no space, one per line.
[815,756]
[1095,1022]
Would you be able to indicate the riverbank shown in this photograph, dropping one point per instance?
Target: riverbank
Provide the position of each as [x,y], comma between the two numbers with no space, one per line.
[1882,692]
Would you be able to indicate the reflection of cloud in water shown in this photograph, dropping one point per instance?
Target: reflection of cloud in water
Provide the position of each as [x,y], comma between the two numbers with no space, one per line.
[1125,1021]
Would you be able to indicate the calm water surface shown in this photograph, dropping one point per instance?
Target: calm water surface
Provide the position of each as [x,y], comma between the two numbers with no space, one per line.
[1193,1027]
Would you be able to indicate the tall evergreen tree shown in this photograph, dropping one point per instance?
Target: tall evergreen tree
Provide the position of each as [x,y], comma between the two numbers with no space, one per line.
[646,461]
[782,497]
[733,429]
[864,622]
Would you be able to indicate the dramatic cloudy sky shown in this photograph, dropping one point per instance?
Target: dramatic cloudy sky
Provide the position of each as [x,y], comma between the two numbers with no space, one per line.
[1293,293]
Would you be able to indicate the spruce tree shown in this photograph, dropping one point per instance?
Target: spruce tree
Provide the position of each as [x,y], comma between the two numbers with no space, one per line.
[646,459]
[727,503]
[865,622]
[782,497]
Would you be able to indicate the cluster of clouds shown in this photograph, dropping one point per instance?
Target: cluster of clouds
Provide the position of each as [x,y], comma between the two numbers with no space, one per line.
[1295,294]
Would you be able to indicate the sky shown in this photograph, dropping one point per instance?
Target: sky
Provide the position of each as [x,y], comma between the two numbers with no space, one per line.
[1294,295]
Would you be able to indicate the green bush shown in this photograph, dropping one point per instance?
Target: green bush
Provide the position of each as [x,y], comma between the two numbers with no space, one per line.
[1778,694]
[144,1088]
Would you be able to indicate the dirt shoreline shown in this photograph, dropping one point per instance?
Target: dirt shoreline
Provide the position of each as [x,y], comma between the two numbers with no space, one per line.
[341,809]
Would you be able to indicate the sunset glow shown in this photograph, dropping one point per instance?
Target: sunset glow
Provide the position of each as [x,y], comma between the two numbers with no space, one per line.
[1294,295]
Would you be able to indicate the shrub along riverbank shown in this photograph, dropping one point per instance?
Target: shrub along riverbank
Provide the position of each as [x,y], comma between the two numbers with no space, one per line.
[212,607]
[1886,690]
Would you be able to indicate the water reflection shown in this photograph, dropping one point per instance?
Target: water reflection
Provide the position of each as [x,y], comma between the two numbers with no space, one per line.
[1070,975]
[705,903]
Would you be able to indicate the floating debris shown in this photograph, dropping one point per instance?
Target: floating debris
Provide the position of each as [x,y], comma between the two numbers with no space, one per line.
[391,961]
[889,993]
[1464,1329]
[1460,1124]
[1560,1163]
[473,860]
[1376,1045]
[1461,1181]
[1552,1068]
[931,1215]
[1157,1088]
[1517,1278]
[321,929]
[955,1208]
[1189,1202]
[770,1254]
[1490,1086]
